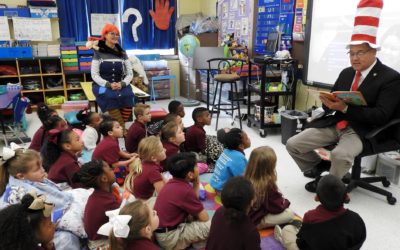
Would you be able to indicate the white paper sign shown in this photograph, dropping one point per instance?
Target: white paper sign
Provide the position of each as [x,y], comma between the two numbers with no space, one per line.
[97,22]
[34,29]
[4,29]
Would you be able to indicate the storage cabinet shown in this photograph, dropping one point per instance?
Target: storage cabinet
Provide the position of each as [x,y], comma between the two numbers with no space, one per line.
[266,93]
[44,80]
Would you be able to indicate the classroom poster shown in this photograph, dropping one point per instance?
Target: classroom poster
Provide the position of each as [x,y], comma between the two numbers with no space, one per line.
[33,29]
[236,17]
[274,15]
[4,29]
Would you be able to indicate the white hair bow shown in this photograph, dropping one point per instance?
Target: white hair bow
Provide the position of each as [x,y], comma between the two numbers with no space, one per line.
[9,153]
[118,223]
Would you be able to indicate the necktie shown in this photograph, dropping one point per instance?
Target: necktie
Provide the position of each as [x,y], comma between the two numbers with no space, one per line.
[343,123]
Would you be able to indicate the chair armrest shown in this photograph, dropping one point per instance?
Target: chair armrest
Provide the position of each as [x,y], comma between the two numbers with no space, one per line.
[376,131]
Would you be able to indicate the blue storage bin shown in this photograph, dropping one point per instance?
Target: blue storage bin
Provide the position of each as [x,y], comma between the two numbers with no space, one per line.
[85,59]
[85,52]
[149,57]
[16,52]
[20,12]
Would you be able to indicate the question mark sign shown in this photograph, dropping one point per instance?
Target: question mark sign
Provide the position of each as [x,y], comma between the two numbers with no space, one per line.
[139,21]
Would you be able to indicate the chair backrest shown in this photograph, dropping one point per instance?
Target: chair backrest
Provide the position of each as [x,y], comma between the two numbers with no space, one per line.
[225,65]
[20,103]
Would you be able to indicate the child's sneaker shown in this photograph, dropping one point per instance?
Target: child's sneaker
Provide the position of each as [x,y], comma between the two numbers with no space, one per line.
[278,233]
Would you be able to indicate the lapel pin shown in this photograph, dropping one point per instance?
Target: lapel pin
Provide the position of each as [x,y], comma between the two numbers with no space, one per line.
[375,74]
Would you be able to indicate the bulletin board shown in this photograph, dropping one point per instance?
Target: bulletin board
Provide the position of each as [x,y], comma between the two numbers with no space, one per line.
[34,29]
[273,14]
[236,16]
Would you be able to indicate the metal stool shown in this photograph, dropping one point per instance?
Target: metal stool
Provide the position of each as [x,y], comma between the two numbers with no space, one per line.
[224,75]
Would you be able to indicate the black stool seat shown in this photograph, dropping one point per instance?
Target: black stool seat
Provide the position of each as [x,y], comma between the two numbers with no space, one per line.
[222,75]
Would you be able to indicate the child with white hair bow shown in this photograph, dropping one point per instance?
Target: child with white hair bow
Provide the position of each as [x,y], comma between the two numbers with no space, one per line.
[131,227]
[22,172]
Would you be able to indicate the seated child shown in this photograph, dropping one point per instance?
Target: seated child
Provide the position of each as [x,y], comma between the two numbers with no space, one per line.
[330,225]
[100,176]
[231,227]
[53,122]
[27,225]
[176,107]
[143,222]
[196,135]
[221,133]
[183,219]
[155,128]
[145,173]
[172,137]
[269,208]
[61,156]
[208,147]
[22,173]
[108,149]
[175,119]
[232,161]
[91,135]
[137,130]
[38,139]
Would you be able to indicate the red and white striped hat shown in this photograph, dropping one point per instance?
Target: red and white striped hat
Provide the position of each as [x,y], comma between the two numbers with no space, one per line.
[366,23]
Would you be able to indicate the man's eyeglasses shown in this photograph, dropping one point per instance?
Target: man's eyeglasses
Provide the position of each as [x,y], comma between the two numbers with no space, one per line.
[358,54]
[113,34]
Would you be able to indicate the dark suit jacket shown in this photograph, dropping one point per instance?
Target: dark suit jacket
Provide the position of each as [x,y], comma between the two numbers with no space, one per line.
[381,90]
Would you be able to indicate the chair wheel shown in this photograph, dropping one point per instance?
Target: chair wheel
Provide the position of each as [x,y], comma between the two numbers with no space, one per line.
[386,183]
[391,200]
[263,133]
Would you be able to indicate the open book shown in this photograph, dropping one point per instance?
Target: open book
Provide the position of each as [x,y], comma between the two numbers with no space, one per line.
[349,97]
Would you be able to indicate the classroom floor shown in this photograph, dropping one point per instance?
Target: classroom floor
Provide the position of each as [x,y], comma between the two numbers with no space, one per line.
[382,220]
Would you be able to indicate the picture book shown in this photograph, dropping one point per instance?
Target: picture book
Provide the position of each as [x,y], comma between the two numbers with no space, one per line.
[349,97]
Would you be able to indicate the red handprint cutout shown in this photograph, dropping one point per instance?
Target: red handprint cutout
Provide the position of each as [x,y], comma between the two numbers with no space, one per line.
[162,15]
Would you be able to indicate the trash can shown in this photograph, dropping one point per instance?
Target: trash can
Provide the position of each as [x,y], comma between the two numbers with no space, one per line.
[292,122]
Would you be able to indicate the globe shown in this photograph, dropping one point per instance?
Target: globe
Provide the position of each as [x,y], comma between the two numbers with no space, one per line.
[188,44]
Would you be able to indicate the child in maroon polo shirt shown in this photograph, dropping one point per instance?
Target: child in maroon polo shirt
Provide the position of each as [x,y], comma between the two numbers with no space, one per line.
[60,151]
[145,173]
[143,222]
[99,175]
[38,139]
[137,130]
[330,226]
[172,137]
[108,149]
[176,107]
[183,219]
[231,227]
[196,135]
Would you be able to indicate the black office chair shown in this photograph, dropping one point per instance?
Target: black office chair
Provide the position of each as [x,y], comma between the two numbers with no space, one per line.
[380,140]
[221,73]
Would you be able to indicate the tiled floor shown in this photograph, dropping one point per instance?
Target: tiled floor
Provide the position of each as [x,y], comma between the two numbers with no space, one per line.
[382,220]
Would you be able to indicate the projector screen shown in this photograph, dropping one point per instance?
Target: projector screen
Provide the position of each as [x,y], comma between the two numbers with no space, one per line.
[328,31]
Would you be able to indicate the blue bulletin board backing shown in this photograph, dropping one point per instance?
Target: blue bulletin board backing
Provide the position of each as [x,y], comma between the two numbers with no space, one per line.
[273,14]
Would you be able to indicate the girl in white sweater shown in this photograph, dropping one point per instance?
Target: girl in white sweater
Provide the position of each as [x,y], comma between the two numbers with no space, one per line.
[90,135]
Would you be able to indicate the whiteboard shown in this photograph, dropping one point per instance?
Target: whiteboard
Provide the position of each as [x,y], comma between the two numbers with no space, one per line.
[97,22]
[329,29]
[4,29]
[34,29]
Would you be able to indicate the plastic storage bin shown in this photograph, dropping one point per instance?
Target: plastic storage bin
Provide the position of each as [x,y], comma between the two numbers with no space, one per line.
[388,164]
[16,52]
[292,122]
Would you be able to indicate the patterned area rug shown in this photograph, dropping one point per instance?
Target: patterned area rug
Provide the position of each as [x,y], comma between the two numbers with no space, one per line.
[213,202]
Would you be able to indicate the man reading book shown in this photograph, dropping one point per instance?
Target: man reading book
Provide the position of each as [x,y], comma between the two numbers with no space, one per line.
[344,124]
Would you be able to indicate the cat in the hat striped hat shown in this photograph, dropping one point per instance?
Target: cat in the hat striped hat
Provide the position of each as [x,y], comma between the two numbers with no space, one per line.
[366,23]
